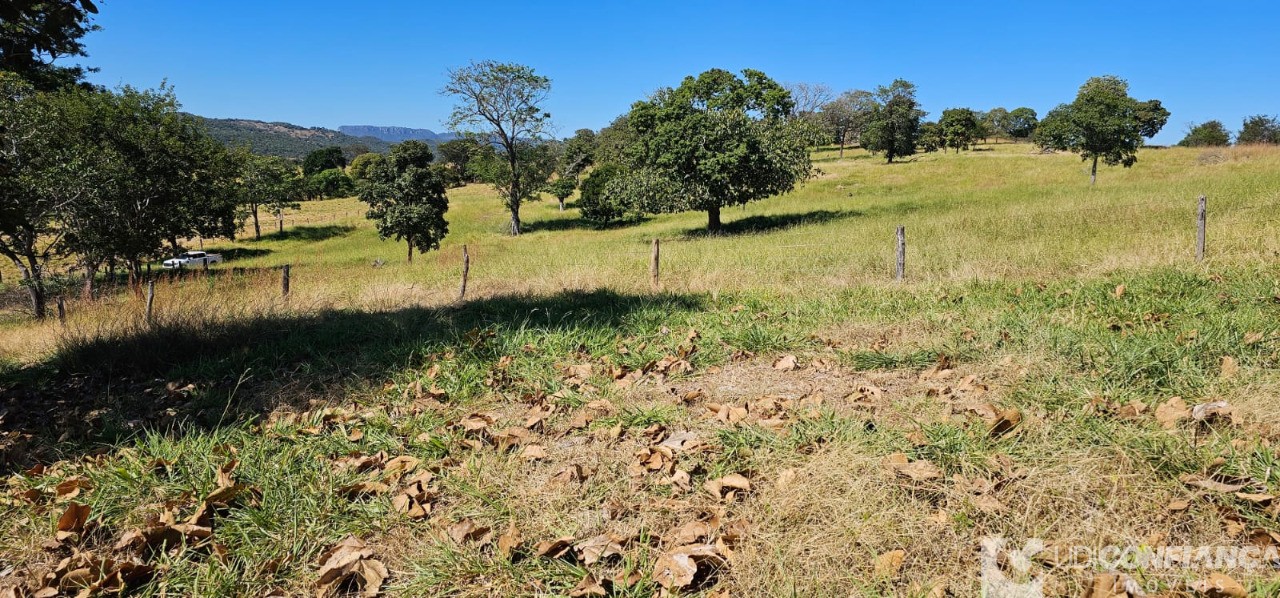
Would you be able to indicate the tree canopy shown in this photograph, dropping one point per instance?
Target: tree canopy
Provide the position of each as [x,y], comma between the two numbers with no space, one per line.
[1021,123]
[1103,123]
[959,128]
[1207,134]
[1260,129]
[271,182]
[894,124]
[406,198]
[845,118]
[36,33]
[323,159]
[501,103]
[717,140]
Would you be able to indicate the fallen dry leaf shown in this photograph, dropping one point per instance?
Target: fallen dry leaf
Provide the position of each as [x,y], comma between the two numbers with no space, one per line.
[889,564]
[350,563]
[510,540]
[598,548]
[72,521]
[553,549]
[679,567]
[468,530]
[589,586]
[733,483]
[1169,413]
[919,471]
[1229,367]
[786,363]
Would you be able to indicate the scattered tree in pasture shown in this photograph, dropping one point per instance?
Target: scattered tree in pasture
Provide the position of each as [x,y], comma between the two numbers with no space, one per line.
[536,163]
[323,159]
[37,36]
[1021,123]
[359,167]
[594,204]
[562,188]
[846,117]
[578,153]
[995,122]
[1207,134]
[271,182]
[809,98]
[613,141]
[45,167]
[931,139]
[1260,129]
[329,183]
[894,124]
[406,198]
[456,154]
[959,128]
[501,103]
[1103,123]
[719,141]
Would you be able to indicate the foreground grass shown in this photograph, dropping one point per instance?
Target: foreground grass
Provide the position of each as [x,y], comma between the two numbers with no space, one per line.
[1069,356]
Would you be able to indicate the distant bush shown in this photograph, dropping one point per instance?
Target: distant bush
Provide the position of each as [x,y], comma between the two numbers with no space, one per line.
[330,183]
[1260,129]
[595,205]
[1209,134]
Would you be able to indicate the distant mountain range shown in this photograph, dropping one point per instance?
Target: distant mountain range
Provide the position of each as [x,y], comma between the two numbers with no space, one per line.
[395,134]
[287,140]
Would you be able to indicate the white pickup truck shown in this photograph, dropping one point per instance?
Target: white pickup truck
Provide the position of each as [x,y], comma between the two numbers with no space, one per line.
[193,259]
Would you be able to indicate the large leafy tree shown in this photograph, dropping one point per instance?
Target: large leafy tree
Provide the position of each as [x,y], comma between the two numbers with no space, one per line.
[1102,124]
[1207,134]
[894,123]
[456,155]
[959,128]
[406,198]
[46,167]
[996,121]
[271,182]
[36,33]
[845,118]
[578,153]
[501,103]
[323,159]
[717,140]
[1021,123]
[562,188]
[1260,129]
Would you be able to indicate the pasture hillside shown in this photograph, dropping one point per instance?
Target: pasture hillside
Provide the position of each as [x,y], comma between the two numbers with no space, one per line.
[779,418]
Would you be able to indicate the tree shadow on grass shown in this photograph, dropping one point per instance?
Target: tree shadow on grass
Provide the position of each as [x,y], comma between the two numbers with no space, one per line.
[765,224]
[308,233]
[563,224]
[106,388]
[243,253]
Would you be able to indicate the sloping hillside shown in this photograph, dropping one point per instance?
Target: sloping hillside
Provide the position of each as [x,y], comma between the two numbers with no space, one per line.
[284,139]
[395,134]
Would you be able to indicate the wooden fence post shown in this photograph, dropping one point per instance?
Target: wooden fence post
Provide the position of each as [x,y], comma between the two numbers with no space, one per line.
[466,269]
[284,282]
[62,311]
[151,299]
[902,253]
[1201,217]
[653,266]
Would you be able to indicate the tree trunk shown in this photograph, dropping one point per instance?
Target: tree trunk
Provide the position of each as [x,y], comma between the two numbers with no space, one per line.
[86,292]
[561,204]
[409,241]
[280,220]
[842,147]
[1093,173]
[515,221]
[35,286]
[513,201]
[257,228]
[713,219]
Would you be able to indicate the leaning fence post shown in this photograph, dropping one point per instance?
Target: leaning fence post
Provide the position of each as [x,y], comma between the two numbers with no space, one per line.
[466,269]
[151,298]
[653,266]
[1201,217]
[62,311]
[284,282]
[902,253]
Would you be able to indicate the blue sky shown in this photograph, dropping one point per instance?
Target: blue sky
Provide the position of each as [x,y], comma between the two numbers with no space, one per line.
[322,63]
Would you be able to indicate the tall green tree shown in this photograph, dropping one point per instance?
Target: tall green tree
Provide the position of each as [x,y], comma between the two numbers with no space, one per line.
[456,154]
[959,128]
[845,118]
[894,124]
[359,167]
[996,121]
[1260,128]
[562,188]
[46,167]
[407,199]
[1103,123]
[36,34]
[502,103]
[271,182]
[931,139]
[1207,134]
[578,153]
[323,159]
[1021,123]
[719,140]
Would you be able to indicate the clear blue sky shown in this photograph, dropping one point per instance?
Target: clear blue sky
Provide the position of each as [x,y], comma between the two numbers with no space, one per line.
[322,63]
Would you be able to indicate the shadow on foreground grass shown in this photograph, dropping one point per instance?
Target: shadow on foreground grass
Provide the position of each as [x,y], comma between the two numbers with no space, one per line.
[308,233]
[103,389]
[764,224]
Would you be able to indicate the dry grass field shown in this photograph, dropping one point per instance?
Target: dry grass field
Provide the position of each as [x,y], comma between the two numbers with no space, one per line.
[782,418]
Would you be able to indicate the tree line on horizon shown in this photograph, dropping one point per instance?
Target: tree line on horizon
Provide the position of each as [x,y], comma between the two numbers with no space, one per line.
[113,178]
